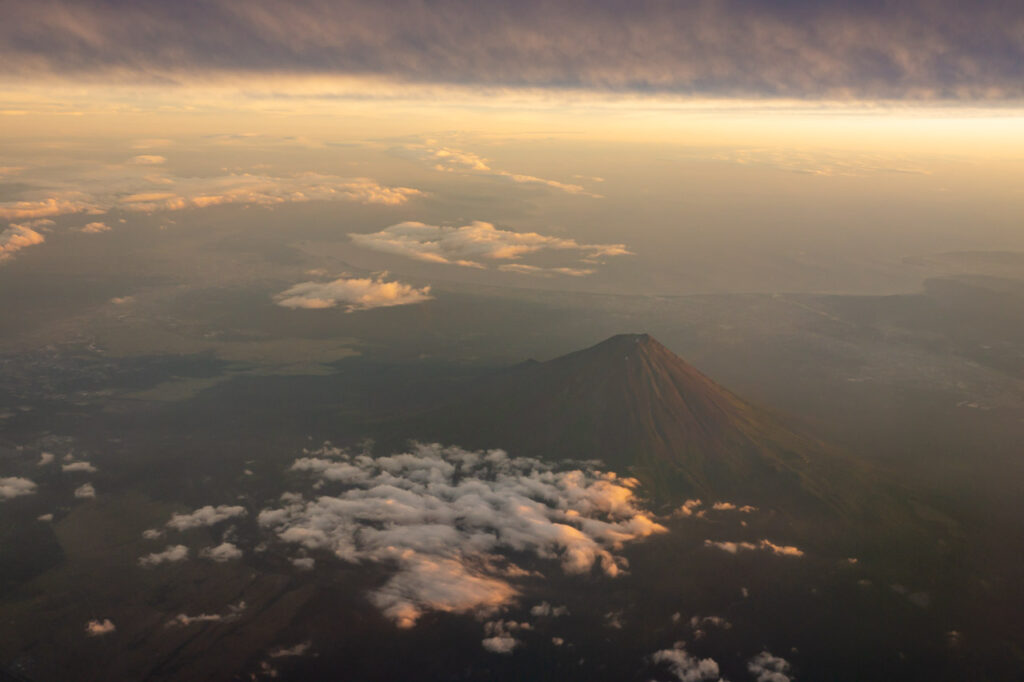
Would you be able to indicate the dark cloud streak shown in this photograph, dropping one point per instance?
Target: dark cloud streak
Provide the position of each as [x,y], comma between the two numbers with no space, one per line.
[927,49]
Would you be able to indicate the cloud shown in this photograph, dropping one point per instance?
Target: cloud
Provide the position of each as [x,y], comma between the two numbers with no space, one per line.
[17,237]
[499,638]
[767,668]
[455,160]
[148,160]
[205,516]
[685,667]
[300,649]
[522,268]
[751,48]
[74,467]
[16,487]
[767,545]
[86,491]
[470,245]
[233,613]
[354,293]
[152,534]
[98,628]
[45,458]
[304,563]
[45,518]
[43,208]
[446,520]
[545,609]
[95,228]
[182,193]
[99,189]
[690,508]
[171,554]
[221,553]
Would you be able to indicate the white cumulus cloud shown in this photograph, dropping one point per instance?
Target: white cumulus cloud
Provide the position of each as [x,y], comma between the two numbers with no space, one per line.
[446,518]
[767,545]
[221,553]
[16,487]
[172,554]
[86,491]
[767,668]
[685,667]
[353,293]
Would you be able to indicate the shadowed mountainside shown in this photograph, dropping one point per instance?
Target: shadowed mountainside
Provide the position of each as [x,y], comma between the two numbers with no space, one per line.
[642,410]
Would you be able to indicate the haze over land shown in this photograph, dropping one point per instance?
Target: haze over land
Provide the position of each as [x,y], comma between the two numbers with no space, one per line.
[511,340]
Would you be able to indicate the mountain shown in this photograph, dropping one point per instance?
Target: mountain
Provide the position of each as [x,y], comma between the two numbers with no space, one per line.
[643,411]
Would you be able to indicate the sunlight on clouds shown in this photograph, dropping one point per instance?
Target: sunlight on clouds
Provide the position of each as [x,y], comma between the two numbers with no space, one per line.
[17,237]
[354,293]
[467,245]
[457,160]
[445,517]
[767,545]
[98,628]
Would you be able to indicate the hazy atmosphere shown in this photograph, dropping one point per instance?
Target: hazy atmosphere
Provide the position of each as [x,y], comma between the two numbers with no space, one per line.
[653,340]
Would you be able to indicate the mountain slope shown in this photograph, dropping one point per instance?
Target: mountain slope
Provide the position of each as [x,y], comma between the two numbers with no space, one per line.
[642,410]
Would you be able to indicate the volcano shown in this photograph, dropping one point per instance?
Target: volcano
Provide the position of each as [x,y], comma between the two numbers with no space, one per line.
[643,411]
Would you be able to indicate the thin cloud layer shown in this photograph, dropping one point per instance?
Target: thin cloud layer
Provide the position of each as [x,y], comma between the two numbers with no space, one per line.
[184,620]
[474,244]
[766,545]
[351,293]
[929,48]
[445,519]
[459,161]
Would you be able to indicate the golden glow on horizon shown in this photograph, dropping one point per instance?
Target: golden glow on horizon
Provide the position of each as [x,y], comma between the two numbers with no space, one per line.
[375,108]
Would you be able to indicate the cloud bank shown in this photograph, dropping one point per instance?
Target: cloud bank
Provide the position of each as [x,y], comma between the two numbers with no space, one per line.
[803,48]
[445,519]
[352,293]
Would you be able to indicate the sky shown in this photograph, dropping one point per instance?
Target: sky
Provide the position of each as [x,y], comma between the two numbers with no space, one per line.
[652,147]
